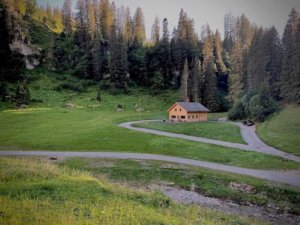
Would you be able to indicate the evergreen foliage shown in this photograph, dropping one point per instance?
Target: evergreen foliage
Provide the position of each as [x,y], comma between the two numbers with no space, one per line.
[106,44]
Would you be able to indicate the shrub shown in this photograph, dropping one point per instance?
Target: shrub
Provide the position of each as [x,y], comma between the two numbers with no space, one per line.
[238,111]
[256,109]
[22,94]
[257,105]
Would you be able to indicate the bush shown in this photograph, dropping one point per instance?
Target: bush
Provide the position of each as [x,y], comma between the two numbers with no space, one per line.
[256,110]
[262,105]
[238,111]
[256,106]
[22,94]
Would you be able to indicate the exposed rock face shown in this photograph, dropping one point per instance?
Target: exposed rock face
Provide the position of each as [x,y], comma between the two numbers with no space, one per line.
[31,54]
[19,40]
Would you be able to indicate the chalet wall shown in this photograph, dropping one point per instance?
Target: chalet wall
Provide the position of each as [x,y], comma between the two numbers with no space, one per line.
[197,117]
[179,114]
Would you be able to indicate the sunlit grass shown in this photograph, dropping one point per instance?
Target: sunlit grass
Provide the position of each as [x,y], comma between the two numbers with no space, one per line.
[37,192]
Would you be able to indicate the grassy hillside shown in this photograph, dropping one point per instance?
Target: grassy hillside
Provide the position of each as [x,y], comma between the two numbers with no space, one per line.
[65,120]
[206,182]
[283,130]
[212,130]
[36,192]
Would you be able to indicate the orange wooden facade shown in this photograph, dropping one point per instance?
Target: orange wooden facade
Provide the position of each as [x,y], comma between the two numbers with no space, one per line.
[178,114]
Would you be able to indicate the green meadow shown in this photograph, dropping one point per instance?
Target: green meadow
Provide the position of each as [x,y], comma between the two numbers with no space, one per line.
[65,120]
[212,130]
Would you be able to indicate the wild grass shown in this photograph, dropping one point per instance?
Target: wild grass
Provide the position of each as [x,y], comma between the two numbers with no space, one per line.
[283,130]
[36,192]
[207,182]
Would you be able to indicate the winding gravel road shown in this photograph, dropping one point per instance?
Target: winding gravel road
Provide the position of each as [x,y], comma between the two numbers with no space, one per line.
[248,133]
[291,177]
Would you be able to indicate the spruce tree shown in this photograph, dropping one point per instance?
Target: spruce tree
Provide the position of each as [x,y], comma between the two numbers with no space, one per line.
[257,61]
[235,79]
[67,16]
[106,18]
[118,59]
[273,48]
[155,32]
[196,76]
[139,26]
[290,81]
[184,82]
[128,28]
[210,93]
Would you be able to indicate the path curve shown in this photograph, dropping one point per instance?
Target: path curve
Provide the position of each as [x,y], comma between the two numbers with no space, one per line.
[248,133]
[291,177]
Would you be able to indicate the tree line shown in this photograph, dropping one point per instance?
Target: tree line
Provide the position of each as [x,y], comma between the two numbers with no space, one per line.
[247,72]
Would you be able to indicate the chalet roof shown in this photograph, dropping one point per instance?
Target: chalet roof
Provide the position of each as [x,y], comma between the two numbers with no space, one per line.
[191,106]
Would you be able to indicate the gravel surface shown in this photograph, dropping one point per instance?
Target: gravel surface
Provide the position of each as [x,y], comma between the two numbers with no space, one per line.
[269,214]
[291,177]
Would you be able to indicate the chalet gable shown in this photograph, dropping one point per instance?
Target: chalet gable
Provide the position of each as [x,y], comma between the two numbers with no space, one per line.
[190,107]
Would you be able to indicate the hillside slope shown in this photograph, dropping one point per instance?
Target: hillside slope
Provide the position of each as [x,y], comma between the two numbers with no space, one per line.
[37,192]
[282,130]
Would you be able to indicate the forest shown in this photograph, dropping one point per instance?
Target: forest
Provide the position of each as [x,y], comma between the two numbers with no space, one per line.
[250,71]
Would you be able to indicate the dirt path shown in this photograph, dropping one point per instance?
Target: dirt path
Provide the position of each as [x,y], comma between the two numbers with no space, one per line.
[291,177]
[248,133]
[268,214]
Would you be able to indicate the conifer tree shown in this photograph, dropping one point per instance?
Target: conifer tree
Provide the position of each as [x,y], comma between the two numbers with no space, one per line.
[229,31]
[128,28]
[139,25]
[290,80]
[106,18]
[155,33]
[210,91]
[273,48]
[165,56]
[184,82]
[118,59]
[257,62]
[196,76]
[218,53]
[67,16]
[166,35]
[235,81]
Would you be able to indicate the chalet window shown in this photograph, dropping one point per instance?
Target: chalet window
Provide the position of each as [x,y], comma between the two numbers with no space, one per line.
[173,117]
[182,117]
[193,117]
[180,110]
[189,117]
[175,110]
[197,117]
